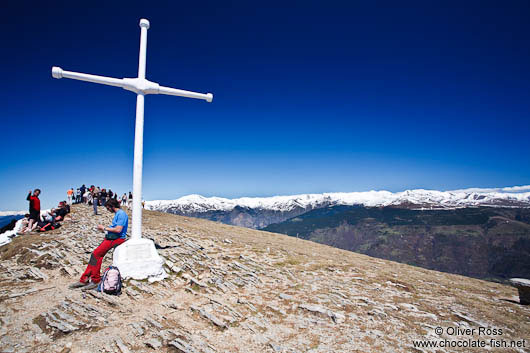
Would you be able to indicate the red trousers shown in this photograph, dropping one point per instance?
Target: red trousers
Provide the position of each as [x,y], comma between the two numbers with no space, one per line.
[93,270]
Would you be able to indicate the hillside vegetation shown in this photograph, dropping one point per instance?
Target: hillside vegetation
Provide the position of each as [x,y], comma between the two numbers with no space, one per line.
[483,242]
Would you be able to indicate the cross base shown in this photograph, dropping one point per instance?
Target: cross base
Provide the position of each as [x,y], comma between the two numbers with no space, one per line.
[137,258]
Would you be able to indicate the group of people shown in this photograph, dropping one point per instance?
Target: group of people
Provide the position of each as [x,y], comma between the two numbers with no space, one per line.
[96,196]
[47,220]
[36,219]
[115,234]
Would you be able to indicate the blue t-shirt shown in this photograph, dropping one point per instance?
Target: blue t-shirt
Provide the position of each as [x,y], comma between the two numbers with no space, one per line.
[121,219]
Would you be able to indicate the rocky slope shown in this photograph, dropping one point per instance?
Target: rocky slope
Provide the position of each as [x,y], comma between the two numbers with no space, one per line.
[234,289]
[255,212]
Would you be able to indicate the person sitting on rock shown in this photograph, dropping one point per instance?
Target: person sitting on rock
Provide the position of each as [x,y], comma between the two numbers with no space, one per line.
[21,225]
[62,211]
[48,216]
[116,235]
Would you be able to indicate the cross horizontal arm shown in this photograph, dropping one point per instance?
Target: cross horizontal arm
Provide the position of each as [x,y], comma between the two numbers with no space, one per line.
[57,72]
[182,93]
[136,85]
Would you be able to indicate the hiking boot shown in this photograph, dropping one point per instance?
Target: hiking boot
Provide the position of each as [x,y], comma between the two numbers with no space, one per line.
[77,285]
[90,286]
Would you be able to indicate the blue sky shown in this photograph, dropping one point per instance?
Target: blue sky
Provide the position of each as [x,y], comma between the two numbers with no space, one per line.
[308,97]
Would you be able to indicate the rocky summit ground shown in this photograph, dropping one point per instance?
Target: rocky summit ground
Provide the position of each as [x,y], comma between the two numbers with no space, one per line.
[234,289]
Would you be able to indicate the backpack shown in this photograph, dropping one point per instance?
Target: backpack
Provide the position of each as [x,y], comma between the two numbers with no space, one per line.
[111,281]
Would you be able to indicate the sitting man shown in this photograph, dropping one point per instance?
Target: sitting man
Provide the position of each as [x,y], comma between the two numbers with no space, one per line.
[48,216]
[116,235]
[62,211]
[48,221]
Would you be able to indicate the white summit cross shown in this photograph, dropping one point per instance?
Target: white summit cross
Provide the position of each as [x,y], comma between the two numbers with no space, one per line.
[136,258]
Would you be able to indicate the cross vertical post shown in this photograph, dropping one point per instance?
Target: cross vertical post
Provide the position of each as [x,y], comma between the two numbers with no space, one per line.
[136,258]
[139,138]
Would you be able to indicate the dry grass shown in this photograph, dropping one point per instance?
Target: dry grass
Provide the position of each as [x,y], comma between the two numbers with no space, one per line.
[21,244]
[314,342]
[291,260]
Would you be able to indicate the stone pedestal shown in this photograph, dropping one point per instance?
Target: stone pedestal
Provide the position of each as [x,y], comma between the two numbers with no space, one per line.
[137,258]
[523,286]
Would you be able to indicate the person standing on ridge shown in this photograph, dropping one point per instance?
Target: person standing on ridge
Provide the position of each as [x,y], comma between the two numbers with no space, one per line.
[116,235]
[95,199]
[83,189]
[77,196]
[34,208]
[70,195]
[103,197]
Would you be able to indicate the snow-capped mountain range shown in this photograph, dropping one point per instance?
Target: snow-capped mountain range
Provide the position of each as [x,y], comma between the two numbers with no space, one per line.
[11,213]
[256,212]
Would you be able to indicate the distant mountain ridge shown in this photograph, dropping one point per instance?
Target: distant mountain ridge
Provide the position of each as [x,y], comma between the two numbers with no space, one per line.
[255,212]
[11,213]
[481,242]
